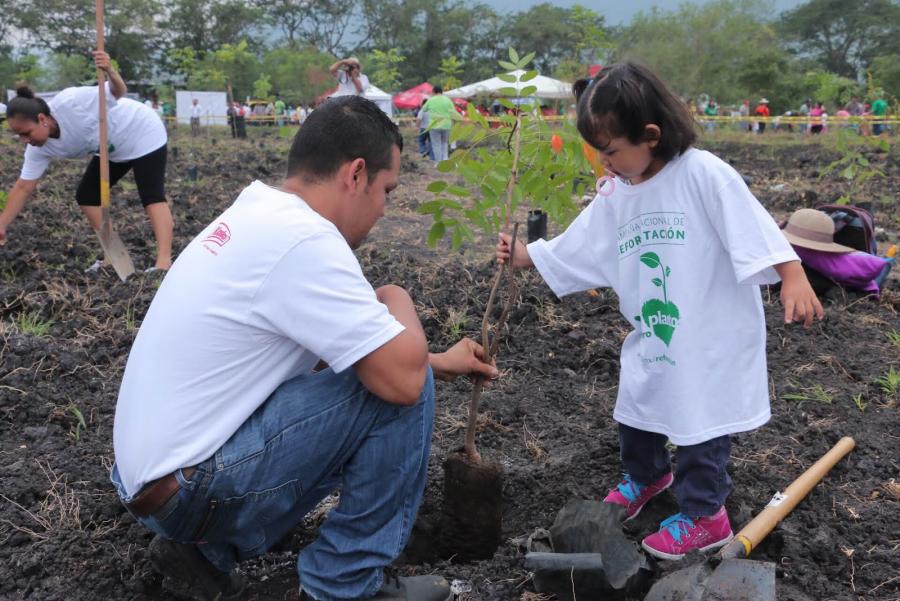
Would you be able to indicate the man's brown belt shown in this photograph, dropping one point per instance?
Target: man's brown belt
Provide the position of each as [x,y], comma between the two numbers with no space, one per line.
[155,494]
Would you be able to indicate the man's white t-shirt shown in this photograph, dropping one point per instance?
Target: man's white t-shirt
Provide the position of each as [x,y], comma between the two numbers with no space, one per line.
[346,86]
[196,111]
[685,251]
[259,297]
[134,130]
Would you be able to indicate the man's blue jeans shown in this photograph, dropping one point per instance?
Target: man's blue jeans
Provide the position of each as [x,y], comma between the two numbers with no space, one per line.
[316,433]
[424,140]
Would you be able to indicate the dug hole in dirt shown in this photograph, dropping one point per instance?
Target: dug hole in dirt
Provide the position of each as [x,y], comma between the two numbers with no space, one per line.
[65,336]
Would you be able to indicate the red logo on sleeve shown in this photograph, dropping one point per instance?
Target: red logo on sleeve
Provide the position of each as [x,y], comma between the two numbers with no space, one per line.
[219,236]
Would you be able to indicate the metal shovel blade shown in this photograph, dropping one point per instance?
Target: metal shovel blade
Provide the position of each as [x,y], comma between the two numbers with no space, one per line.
[731,580]
[114,248]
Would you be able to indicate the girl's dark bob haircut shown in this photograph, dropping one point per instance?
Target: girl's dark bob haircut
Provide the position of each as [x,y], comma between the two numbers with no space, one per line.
[626,97]
[27,105]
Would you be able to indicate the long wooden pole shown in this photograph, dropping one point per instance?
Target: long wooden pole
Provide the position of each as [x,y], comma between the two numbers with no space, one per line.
[113,247]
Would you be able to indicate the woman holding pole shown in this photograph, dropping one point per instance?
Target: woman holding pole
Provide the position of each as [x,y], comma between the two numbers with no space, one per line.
[68,126]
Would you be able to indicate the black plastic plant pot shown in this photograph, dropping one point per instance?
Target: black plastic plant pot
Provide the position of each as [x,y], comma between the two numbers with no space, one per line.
[472,512]
[537,225]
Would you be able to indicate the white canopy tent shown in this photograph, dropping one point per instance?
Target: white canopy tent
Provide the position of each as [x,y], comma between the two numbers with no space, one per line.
[547,87]
[213,106]
[381,98]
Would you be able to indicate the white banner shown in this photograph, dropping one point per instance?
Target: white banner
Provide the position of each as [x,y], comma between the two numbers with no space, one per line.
[213,107]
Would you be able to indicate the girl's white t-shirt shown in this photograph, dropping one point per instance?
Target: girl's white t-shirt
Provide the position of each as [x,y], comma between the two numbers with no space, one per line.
[686,252]
[134,130]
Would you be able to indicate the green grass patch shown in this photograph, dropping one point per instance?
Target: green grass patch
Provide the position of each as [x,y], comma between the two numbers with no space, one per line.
[890,383]
[814,393]
[32,323]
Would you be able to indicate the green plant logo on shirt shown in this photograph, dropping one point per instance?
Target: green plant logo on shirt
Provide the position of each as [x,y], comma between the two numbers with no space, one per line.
[660,315]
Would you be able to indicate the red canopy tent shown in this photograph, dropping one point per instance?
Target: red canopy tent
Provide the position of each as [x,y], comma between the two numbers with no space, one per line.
[413,97]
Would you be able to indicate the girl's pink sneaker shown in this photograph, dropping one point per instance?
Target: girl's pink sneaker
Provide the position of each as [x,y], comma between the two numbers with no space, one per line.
[633,496]
[680,534]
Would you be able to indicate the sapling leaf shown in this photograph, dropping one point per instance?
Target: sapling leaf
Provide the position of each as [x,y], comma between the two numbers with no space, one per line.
[508,91]
[657,281]
[528,90]
[507,65]
[526,59]
[437,186]
[507,77]
[668,271]
[436,233]
[445,166]
[457,237]
[528,76]
[457,191]
[475,115]
[433,207]
[513,55]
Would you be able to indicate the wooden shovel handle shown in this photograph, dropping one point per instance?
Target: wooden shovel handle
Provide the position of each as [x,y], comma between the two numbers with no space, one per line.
[783,503]
[101,86]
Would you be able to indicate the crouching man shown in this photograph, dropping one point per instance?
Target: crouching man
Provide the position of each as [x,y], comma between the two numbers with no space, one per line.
[226,434]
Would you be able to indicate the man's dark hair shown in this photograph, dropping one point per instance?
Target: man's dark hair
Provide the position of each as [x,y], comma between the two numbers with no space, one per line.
[623,99]
[438,89]
[27,105]
[340,130]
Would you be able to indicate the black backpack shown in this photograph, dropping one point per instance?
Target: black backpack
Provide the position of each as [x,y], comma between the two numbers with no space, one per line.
[854,226]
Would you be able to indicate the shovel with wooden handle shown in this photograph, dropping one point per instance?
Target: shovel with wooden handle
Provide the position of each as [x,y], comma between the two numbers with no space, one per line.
[726,575]
[115,250]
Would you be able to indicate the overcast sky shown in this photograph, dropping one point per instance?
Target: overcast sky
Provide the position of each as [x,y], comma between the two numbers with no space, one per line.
[615,11]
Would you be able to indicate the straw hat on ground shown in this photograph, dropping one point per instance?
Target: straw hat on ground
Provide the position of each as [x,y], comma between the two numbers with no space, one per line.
[764,101]
[809,228]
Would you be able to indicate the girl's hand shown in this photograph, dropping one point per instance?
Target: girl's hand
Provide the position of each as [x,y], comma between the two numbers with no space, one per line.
[503,252]
[101,60]
[797,296]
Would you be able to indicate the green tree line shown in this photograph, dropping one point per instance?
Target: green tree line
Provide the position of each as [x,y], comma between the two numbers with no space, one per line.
[728,49]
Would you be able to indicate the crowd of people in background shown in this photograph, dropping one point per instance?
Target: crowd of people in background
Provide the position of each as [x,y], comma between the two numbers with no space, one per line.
[811,117]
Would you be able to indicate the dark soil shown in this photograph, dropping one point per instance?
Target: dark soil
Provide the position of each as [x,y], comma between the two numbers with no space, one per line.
[547,421]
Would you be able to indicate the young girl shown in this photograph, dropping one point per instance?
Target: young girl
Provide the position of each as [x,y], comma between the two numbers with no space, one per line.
[67,127]
[679,237]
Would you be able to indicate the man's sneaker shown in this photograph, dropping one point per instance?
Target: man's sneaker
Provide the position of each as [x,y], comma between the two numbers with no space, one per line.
[187,572]
[407,588]
[633,496]
[680,534]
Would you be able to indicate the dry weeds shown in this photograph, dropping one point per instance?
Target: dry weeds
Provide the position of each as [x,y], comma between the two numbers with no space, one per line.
[60,509]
